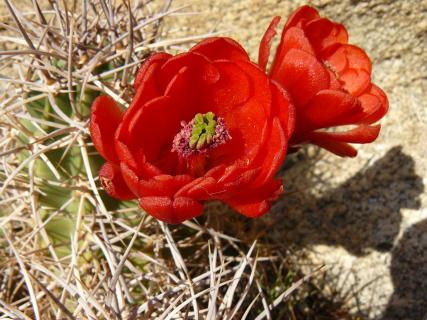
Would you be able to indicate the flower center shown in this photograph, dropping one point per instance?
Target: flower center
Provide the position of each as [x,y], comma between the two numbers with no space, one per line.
[203,132]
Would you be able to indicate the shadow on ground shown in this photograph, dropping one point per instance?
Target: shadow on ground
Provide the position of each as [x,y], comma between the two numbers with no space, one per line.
[409,272]
[361,215]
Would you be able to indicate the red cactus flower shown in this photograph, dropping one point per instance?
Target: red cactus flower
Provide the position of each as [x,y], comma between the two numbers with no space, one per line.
[207,124]
[328,79]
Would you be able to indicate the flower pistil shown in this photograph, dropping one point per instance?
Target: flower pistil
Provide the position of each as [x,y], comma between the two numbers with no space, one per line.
[203,132]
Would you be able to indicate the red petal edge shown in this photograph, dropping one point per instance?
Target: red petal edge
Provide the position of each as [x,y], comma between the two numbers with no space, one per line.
[158,57]
[105,117]
[259,202]
[341,149]
[112,181]
[300,16]
[265,44]
[171,210]
[221,48]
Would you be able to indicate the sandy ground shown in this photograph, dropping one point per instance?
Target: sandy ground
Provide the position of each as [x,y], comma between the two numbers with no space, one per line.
[365,218]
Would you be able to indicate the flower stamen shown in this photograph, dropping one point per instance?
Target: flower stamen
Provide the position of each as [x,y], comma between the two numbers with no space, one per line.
[203,132]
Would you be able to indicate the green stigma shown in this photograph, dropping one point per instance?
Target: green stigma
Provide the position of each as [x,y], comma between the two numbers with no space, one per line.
[203,130]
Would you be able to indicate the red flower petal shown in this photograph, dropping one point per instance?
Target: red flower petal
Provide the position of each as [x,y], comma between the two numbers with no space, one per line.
[335,83]
[233,88]
[144,72]
[360,134]
[283,108]
[216,172]
[341,149]
[355,81]
[186,91]
[105,117]
[135,160]
[302,75]
[239,98]
[124,154]
[258,202]
[202,68]
[183,191]
[375,104]
[301,17]
[330,108]
[243,180]
[153,127]
[337,61]
[146,89]
[329,82]
[294,38]
[265,44]
[202,188]
[146,85]
[251,209]
[380,94]
[348,56]
[272,155]
[232,171]
[113,183]
[186,208]
[130,178]
[171,210]
[163,185]
[259,86]
[324,33]
[221,49]
[159,207]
